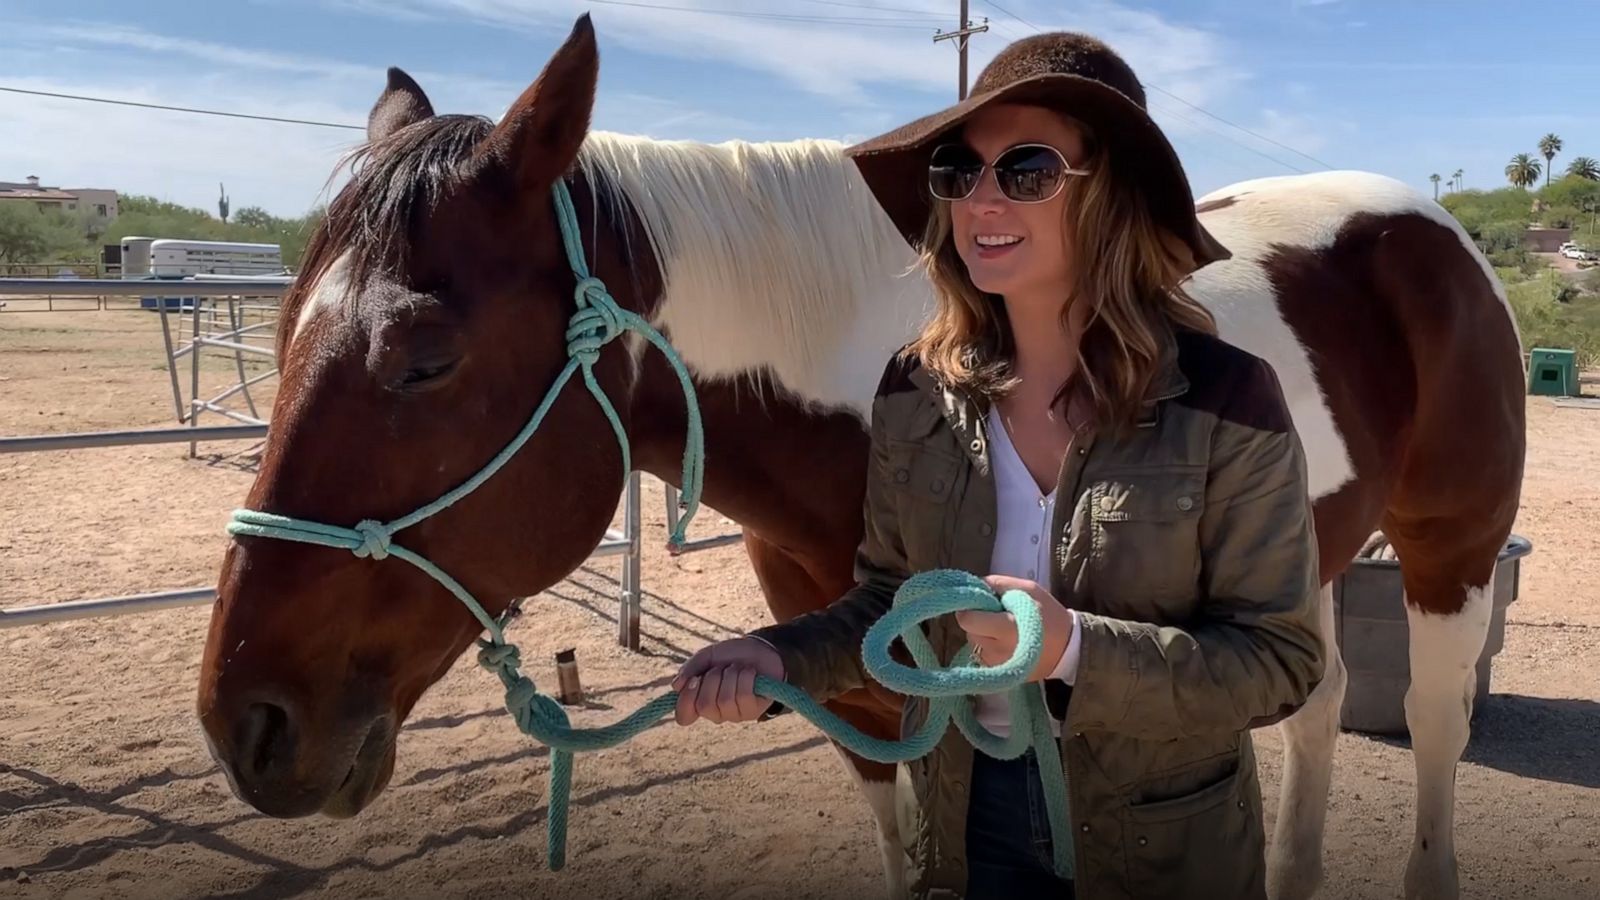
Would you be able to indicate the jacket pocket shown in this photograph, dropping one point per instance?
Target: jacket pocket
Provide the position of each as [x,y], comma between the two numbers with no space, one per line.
[1208,843]
[923,481]
[1145,539]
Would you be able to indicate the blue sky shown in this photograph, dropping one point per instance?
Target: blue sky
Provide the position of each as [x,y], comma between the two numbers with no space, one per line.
[1402,88]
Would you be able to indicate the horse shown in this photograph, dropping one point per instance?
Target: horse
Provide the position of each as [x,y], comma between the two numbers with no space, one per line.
[431,313]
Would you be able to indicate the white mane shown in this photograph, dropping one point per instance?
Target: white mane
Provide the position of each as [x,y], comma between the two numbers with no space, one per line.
[777,261]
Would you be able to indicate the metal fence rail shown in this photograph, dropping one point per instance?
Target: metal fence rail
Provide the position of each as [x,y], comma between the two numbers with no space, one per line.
[166,288]
[86,439]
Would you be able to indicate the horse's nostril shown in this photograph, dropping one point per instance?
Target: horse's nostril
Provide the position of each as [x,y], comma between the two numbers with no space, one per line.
[263,739]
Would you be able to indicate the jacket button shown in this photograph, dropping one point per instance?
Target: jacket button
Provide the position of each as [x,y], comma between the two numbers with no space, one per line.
[1185,503]
[936,486]
[1084,828]
[1144,841]
[977,446]
[986,529]
[902,476]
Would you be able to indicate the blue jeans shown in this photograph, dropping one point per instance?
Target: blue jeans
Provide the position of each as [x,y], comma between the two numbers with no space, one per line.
[1009,852]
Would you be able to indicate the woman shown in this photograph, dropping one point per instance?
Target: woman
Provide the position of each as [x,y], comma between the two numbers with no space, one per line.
[1069,425]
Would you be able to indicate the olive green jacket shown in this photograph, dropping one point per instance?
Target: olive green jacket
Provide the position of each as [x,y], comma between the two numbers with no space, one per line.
[1187,547]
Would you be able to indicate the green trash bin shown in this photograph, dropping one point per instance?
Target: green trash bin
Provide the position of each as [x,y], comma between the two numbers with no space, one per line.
[1553,373]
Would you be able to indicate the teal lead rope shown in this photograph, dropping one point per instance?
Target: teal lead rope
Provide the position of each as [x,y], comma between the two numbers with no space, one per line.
[925,596]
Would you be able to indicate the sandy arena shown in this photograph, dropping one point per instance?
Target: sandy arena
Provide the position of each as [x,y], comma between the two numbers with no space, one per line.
[106,789]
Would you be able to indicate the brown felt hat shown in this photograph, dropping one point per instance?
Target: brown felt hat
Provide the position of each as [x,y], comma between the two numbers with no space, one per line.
[1073,73]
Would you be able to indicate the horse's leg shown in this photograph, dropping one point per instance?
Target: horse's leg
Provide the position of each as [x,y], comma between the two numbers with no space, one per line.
[1294,871]
[793,586]
[1448,609]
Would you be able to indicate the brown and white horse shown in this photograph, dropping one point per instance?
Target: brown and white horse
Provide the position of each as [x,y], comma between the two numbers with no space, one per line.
[430,317]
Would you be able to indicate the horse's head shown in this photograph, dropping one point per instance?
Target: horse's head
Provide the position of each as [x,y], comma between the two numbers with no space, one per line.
[429,321]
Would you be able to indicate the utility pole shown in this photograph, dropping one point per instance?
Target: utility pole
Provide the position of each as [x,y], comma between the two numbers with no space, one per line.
[964,30]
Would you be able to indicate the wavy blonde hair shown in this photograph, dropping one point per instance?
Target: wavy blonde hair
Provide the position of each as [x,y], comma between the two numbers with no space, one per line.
[1126,268]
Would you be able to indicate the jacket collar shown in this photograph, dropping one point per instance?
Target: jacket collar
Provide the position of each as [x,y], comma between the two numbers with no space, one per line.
[967,413]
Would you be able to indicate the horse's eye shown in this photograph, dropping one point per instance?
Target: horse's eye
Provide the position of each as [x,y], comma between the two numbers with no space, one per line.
[426,373]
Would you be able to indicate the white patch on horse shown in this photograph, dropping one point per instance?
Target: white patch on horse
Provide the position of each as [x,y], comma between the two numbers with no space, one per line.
[777,261]
[1241,297]
[887,811]
[1438,704]
[329,291]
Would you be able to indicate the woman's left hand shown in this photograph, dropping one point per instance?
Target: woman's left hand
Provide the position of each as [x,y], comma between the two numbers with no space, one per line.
[994,634]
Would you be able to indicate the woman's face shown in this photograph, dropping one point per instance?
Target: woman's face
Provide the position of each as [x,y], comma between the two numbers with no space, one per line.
[1017,250]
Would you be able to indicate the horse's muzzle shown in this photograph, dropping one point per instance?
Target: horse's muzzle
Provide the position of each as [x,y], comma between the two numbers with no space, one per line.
[282,767]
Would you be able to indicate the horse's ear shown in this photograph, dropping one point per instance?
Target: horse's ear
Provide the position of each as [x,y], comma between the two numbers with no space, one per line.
[541,133]
[401,104]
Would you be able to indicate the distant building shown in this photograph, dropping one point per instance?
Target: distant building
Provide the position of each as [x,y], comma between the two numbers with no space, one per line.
[98,202]
[101,202]
[1545,240]
[30,191]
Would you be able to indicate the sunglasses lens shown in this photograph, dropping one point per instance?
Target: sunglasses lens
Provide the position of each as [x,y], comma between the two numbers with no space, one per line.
[1029,174]
[953,172]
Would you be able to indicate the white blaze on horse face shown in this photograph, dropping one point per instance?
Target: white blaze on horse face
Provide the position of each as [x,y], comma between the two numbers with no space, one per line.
[1444,659]
[326,294]
[778,263]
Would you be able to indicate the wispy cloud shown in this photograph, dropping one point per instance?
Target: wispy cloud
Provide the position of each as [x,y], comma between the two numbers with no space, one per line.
[176,156]
[182,156]
[839,54]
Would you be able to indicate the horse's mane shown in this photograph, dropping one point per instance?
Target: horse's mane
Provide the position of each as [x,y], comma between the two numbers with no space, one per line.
[776,260]
[775,257]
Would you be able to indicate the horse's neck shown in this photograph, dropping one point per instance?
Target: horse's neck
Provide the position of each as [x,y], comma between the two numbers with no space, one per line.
[787,471]
[779,268]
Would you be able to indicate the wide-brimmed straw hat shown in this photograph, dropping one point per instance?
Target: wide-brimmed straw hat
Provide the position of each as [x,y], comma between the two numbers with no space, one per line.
[1075,74]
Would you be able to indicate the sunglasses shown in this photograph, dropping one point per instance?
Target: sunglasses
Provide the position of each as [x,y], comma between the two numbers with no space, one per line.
[1025,173]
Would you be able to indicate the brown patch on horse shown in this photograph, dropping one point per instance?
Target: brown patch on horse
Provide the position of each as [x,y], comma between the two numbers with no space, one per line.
[1218,203]
[1417,360]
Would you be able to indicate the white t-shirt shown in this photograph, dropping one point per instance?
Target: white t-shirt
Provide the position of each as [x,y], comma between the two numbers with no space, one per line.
[1021,550]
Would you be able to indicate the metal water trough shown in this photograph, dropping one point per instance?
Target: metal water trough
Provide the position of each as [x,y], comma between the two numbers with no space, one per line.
[1370,617]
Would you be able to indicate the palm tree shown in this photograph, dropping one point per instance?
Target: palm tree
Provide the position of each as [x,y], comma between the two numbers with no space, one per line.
[1584,167]
[1523,170]
[1435,179]
[1457,179]
[1549,146]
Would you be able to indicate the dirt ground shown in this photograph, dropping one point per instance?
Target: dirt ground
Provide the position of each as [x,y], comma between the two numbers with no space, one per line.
[106,789]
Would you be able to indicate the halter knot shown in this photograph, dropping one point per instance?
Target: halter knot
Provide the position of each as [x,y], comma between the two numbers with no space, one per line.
[374,540]
[593,326]
[500,658]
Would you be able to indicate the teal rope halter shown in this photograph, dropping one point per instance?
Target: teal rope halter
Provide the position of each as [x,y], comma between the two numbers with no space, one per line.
[597,322]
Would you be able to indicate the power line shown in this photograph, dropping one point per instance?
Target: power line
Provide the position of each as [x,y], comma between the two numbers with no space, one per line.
[1003,11]
[1241,127]
[187,109]
[857,21]
[1167,111]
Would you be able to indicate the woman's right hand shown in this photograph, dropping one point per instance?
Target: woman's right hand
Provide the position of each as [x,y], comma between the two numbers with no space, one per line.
[718,682]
